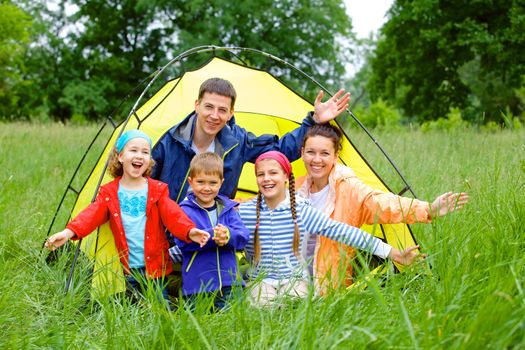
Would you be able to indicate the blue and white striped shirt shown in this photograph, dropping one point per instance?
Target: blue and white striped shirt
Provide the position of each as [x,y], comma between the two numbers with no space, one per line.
[276,230]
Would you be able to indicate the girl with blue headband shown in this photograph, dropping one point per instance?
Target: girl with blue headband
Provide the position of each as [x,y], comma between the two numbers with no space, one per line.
[137,208]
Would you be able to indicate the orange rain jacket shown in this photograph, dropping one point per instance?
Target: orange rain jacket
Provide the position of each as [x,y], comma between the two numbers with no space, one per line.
[353,202]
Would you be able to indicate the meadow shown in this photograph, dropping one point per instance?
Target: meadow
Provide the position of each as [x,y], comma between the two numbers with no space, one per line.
[472,298]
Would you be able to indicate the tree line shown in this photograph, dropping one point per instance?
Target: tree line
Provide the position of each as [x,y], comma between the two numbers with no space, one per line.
[79,58]
[435,55]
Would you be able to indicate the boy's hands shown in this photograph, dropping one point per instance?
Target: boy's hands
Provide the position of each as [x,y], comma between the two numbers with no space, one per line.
[199,236]
[220,235]
[407,256]
[59,239]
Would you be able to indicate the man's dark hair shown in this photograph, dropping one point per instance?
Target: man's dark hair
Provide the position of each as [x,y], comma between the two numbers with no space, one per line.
[220,87]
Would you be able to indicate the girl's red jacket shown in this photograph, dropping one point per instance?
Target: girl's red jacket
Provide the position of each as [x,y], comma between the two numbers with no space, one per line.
[161,213]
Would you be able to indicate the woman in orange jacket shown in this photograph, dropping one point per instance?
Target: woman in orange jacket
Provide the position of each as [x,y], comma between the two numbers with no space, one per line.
[335,189]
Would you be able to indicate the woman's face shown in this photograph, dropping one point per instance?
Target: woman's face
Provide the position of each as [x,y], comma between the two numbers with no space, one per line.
[271,180]
[319,157]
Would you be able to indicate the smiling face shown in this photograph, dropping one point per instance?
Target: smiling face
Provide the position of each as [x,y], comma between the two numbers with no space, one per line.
[319,157]
[213,112]
[271,180]
[135,158]
[206,187]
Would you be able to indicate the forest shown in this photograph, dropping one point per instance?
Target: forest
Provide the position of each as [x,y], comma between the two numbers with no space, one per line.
[433,60]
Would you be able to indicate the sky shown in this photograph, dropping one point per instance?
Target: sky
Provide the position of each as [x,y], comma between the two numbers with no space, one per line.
[367,15]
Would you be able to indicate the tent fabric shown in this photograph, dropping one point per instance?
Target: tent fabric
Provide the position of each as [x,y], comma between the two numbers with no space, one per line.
[264,105]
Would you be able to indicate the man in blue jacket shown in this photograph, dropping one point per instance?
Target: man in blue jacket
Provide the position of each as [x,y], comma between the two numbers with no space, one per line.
[211,127]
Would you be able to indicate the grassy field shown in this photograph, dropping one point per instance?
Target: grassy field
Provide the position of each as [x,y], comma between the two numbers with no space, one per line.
[473,298]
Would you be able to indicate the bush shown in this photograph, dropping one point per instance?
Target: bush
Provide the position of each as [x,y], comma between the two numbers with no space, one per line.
[511,122]
[379,114]
[491,126]
[453,121]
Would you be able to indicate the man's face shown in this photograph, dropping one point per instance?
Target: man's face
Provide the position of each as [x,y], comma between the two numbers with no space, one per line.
[213,112]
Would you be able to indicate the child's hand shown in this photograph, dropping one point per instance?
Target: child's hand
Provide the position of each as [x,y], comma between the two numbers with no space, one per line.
[199,236]
[59,239]
[220,235]
[407,256]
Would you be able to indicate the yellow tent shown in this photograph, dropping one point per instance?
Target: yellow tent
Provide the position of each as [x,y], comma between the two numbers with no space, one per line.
[264,105]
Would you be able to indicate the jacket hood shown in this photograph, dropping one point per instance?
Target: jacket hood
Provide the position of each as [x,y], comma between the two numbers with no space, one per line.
[338,174]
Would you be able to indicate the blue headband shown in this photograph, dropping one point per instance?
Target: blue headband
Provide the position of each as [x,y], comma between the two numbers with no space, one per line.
[129,135]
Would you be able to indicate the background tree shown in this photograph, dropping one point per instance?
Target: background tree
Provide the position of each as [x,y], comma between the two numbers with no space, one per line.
[313,35]
[14,38]
[89,54]
[439,54]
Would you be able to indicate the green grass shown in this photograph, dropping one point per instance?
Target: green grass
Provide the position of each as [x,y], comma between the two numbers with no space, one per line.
[473,298]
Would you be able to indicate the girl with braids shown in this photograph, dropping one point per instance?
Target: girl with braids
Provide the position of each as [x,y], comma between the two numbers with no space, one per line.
[335,190]
[281,222]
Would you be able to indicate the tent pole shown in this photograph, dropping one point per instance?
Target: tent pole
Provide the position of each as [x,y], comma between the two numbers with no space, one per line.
[72,269]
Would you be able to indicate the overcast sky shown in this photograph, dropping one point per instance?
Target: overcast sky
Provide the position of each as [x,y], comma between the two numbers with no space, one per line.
[367,15]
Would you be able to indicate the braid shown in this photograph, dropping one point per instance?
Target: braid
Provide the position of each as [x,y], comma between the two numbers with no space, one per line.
[256,240]
[296,236]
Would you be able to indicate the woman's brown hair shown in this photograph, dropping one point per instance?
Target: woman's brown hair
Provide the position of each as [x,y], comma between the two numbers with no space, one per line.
[326,130]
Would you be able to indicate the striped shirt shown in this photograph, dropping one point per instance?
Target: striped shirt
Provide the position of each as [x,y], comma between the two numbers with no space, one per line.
[276,231]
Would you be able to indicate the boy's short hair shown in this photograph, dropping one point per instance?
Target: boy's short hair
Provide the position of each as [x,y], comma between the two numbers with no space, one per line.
[220,87]
[208,163]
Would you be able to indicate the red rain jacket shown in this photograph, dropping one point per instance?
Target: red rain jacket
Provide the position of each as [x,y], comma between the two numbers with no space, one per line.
[160,211]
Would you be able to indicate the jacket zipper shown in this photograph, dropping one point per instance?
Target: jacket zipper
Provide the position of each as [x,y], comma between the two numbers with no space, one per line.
[228,151]
[191,261]
[182,186]
[216,249]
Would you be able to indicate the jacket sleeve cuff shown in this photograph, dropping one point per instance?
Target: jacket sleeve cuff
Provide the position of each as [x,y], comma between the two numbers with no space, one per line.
[382,250]
[76,237]
[423,212]
[309,119]
[187,239]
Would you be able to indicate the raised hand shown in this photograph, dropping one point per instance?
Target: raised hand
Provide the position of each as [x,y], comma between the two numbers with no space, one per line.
[220,235]
[329,110]
[448,202]
[199,236]
[406,257]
